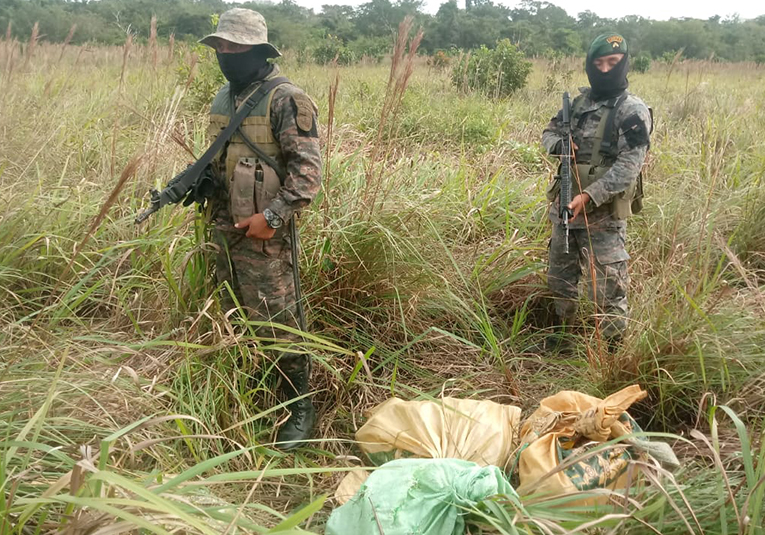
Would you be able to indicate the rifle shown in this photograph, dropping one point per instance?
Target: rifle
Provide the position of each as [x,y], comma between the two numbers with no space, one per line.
[566,159]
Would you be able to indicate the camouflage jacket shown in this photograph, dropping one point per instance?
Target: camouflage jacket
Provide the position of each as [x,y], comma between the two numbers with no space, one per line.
[633,125]
[293,142]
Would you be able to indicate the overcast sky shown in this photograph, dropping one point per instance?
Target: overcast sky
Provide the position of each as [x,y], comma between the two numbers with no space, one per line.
[653,9]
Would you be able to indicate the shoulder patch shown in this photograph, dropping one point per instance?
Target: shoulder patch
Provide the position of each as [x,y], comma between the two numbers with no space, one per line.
[305,111]
[635,131]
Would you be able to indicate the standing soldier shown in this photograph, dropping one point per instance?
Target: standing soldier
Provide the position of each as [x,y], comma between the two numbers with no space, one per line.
[610,137]
[269,170]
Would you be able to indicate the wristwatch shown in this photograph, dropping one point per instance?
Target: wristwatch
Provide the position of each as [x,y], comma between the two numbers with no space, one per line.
[272,220]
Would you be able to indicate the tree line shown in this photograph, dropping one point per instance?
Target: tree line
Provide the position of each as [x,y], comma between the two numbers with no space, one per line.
[535,27]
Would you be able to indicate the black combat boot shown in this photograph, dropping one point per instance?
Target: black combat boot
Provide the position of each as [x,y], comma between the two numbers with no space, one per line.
[614,343]
[557,341]
[299,426]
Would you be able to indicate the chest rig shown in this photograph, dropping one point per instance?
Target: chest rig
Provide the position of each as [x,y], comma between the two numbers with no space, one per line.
[598,153]
[255,128]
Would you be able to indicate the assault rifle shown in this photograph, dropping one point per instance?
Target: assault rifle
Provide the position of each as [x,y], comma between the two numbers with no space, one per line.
[566,159]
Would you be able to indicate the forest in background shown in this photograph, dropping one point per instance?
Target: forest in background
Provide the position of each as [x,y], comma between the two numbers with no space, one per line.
[537,28]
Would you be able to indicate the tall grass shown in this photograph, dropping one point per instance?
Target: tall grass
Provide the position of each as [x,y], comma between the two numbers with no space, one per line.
[129,399]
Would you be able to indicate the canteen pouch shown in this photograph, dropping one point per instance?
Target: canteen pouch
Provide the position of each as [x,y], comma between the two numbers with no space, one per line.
[254,184]
[629,201]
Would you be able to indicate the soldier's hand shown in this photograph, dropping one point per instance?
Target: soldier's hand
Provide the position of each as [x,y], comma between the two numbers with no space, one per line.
[257,228]
[558,150]
[578,203]
[574,147]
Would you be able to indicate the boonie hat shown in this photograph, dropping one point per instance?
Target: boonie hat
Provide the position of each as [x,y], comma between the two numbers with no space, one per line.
[244,27]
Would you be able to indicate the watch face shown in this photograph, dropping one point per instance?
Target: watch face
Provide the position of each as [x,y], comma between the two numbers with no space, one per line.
[273,220]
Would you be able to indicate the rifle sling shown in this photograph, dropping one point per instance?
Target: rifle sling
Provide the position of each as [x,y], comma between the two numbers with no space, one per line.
[191,176]
[607,147]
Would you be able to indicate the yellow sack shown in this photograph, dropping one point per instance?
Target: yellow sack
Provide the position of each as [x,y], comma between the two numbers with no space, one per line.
[480,431]
[561,427]
[483,432]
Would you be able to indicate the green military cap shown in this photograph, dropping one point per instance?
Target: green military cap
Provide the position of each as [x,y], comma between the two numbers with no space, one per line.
[607,44]
[244,27]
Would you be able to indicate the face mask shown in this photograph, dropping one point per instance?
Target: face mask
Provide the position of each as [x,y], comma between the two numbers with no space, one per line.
[243,68]
[606,85]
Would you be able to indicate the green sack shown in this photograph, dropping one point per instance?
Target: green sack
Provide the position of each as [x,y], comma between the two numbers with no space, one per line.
[418,496]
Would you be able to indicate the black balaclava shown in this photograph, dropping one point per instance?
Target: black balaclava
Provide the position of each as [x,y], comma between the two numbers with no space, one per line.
[606,85]
[244,68]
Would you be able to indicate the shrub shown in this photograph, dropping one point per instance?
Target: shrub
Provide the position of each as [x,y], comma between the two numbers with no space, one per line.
[439,61]
[641,64]
[668,57]
[330,48]
[495,73]
[202,74]
[373,48]
[205,80]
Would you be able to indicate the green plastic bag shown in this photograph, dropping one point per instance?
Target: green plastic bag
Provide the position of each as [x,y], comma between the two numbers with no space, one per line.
[418,497]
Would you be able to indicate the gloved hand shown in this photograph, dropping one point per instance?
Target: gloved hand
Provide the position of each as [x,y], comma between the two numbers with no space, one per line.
[557,150]
[202,189]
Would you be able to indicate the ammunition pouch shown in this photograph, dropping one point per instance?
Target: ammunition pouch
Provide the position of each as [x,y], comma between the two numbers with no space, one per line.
[253,185]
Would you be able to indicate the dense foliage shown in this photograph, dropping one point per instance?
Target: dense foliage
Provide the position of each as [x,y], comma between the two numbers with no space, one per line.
[537,28]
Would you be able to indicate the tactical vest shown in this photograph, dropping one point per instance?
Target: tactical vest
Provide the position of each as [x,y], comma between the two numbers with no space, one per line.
[592,167]
[257,126]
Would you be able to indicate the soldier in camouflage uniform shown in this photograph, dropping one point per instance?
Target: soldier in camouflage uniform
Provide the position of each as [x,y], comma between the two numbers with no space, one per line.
[252,208]
[606,185]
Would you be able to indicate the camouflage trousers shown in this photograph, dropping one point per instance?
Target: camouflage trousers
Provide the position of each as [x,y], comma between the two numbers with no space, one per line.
[260,275]
[598,252]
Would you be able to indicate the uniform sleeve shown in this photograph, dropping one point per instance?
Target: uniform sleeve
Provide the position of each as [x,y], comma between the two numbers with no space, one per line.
[553,134]
[634,140]
[295,126]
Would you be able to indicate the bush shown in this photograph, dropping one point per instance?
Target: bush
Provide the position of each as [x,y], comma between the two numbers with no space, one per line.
[373,48]
[495,73]
[330,48]
[641,64]
[205,81]
[668,57]
[439,61]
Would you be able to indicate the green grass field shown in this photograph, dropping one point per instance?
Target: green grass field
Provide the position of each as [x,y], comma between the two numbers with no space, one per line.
[130,401]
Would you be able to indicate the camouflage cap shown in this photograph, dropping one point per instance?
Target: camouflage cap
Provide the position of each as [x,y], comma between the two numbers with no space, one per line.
[244,27]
